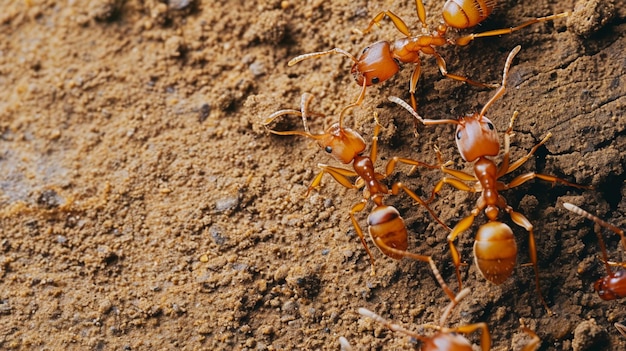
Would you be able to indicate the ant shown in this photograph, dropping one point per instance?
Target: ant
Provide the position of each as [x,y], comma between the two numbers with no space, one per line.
[450,339]
[613,285]
[380,61]
[495,250]
[385,225]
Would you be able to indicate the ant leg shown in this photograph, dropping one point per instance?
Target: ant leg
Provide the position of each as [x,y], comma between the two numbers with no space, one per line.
[442,68]
[460,227]
[355,209]
[521,179]
[397,22]
[391,165]
[380,243]
[534,342]
[515,165]
[485,336]
[446,312]
[504,165]
[617,264]
[456,183]
[340,175]
[523,222]
[466,39]
[413,84]
[395,189]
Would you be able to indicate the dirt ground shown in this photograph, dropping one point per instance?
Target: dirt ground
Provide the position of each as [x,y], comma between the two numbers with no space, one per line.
[144,206]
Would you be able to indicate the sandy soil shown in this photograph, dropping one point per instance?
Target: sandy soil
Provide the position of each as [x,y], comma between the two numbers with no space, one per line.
[144,206]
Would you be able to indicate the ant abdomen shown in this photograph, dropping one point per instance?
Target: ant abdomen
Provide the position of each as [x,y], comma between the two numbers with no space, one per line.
[495,251]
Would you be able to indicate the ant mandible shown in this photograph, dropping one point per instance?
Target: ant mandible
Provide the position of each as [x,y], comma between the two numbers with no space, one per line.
[613,285]
[385,225]
[451,339]
[495,250]
[380,61]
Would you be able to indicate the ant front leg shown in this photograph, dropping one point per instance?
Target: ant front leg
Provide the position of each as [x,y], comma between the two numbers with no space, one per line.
[456,182]
[515,165]
[504,166]
[339,174]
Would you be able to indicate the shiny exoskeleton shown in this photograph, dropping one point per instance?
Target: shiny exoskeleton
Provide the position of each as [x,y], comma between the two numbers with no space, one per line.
[495,250]
[385,225]
[381,60]
[613,285]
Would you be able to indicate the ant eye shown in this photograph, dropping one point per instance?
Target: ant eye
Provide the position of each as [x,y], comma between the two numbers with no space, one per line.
[328,149]
[490,126]
[375,80]
[458,135]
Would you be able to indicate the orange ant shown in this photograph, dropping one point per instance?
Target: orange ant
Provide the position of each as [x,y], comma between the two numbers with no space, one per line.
[613,285]
[495,250]
[450,339]
[385,225]
[380,61]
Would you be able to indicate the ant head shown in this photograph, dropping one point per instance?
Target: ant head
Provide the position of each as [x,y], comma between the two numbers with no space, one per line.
[343,144]
[476,137]
[465,14]
[376,64]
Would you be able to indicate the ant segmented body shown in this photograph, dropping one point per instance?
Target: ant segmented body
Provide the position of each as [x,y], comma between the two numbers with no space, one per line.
[495,250]
[381,60]
[450,339]
[385,225]
[613,285]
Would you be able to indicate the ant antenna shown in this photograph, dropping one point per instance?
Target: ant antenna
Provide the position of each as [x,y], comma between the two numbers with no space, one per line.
[502,88]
